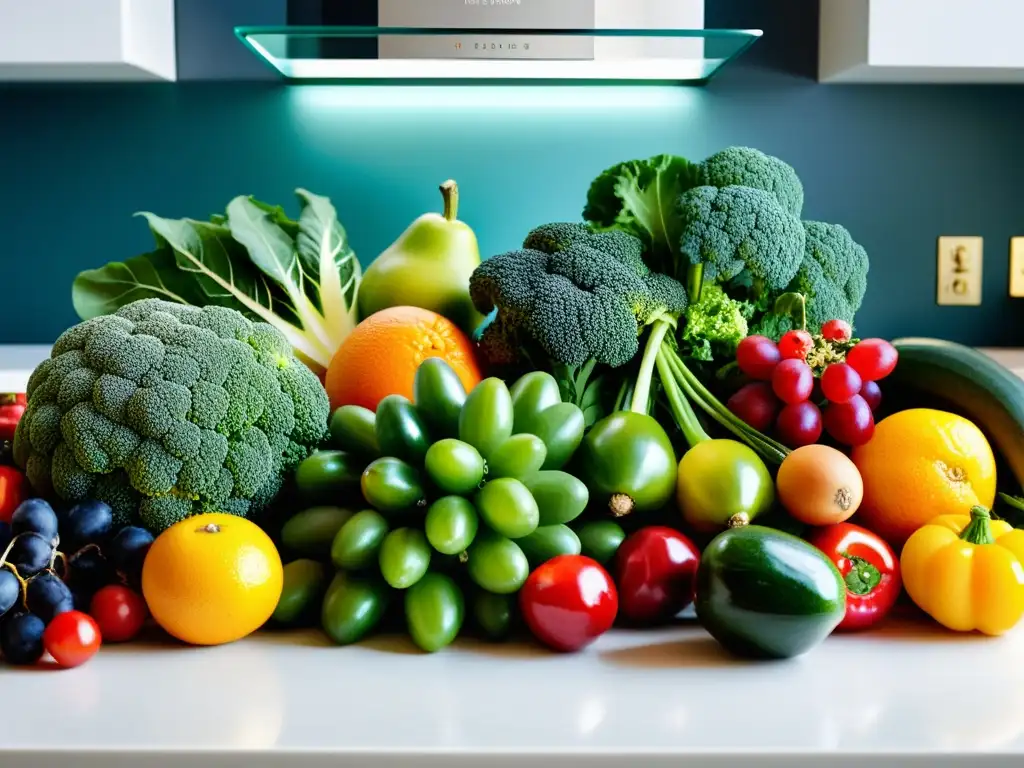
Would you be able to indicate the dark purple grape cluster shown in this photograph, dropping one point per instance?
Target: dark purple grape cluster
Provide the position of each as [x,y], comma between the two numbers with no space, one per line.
[54,563]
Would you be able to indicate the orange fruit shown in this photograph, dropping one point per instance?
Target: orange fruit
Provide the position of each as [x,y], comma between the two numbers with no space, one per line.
[381,355]
[919,464]
[212,579]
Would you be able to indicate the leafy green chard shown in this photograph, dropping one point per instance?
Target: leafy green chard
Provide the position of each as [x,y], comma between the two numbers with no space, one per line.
[301,276]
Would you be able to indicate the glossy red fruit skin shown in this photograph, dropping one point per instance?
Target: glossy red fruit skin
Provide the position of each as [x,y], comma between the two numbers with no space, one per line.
[569,602]
[795,345]
[655,573]
[757,357]
[872,394]
[792,381]
[836,330]
[850,423]
[756,404]
[72,638]
[873,359]
[119,612]
[799,424]
[840,382]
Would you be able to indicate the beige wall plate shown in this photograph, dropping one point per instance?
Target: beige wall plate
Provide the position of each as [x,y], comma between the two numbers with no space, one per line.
[1017,267]
[959,271]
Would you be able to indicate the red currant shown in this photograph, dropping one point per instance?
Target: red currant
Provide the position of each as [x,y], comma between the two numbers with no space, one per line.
[836,330]
[795,345]
[840,382]
[757,357]
[873,359]
[792,381]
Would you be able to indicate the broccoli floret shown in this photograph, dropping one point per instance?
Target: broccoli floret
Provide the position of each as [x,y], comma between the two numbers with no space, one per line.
[833,275]
[165,411]
[748,167]
[585,296]
[715,325]
[741,234]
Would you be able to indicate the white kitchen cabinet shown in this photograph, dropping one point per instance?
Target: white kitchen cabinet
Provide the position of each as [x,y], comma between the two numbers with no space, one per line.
[87,40]
[921,41]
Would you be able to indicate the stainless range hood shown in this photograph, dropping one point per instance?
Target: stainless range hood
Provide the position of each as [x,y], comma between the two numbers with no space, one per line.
[553,41]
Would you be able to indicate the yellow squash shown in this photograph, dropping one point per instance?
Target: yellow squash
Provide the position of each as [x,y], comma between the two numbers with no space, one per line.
[967,572]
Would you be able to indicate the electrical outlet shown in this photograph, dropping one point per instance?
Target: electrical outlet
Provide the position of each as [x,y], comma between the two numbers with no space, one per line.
[959,271]
[1017,267]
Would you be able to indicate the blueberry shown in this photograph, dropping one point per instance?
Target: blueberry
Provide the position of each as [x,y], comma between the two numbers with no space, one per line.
[21,638]
[89,522]
[31,553]
[46,596]
[35,516]
[88,571]
[128,551]
[10,590]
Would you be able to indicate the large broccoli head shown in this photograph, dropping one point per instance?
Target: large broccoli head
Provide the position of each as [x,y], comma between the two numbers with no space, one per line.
[164,410]
[748,167]
[576,294]
[741,233]
[833,276]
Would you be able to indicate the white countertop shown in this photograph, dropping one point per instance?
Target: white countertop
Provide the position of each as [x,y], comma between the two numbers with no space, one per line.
[634,698]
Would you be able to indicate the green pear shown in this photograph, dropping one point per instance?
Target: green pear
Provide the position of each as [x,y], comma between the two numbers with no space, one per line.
[428,266]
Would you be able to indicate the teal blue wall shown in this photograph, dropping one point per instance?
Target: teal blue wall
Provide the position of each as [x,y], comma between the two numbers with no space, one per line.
[897,165]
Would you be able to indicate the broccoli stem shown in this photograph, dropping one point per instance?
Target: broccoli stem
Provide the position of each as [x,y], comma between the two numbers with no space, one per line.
[768,449]
[681,409]
[450,193]
[694,281]
[642,392]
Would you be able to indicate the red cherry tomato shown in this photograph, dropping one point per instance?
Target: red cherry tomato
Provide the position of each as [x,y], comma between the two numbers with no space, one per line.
[12,492]
[869,567]
[72,638]
[119,612]
[569,602]
[655,573]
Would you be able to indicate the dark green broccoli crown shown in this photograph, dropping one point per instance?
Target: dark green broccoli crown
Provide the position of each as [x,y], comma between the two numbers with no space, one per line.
[165,410]
[741,232]
[586,299]
[833,275]
[748,167]
[621,246]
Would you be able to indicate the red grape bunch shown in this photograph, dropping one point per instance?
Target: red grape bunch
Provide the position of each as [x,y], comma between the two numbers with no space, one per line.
[786,392]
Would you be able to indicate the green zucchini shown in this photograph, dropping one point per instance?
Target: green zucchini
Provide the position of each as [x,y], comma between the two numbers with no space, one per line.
[973,384]
[766,594]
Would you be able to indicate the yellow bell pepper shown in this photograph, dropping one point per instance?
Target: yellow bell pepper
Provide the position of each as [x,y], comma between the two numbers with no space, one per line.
[967,572]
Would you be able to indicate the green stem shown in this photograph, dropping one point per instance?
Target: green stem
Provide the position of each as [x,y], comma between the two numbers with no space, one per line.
[863,576]
[694,281]
[979,530]
[681,408]
[450,193]
[803,312]
[642,393]
[767,448]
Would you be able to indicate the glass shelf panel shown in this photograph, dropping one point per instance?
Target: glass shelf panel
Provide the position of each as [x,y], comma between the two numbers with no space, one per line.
[432,54]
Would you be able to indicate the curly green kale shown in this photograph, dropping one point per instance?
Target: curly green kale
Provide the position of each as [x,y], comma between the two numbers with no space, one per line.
[833,275]
[741,234]
[749,167]
[639,197]
[714,327]
[571,295]
[164,410]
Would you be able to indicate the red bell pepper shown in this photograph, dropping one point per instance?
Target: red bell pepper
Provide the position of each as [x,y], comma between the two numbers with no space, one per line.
[13,488]
[870,568]
[12,408]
